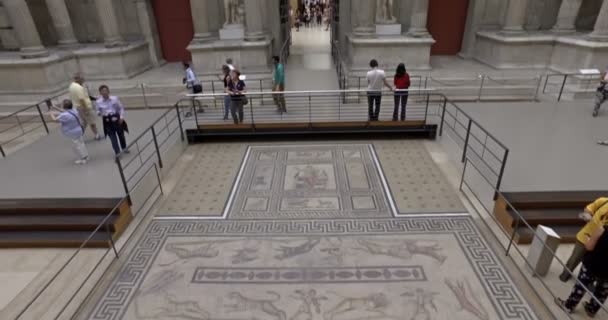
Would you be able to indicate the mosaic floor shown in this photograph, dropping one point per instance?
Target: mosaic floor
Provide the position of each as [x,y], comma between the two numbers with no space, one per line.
[320,181]
[383,268]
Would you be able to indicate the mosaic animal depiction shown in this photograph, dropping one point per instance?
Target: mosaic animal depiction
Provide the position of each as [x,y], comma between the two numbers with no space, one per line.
[240,303]
[375,303]
[404,250]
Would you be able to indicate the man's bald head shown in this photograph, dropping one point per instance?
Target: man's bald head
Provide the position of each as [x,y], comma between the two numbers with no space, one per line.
[79,78]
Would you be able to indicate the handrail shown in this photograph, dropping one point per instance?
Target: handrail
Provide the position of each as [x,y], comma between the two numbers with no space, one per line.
[207,95]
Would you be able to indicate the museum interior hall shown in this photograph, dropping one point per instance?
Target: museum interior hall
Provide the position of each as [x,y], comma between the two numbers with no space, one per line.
[303,159]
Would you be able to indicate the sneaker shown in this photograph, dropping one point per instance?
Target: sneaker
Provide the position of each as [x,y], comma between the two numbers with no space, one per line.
[81,161]
[565,276]
[587,306]
[595,113]
[562,304]
[98,137]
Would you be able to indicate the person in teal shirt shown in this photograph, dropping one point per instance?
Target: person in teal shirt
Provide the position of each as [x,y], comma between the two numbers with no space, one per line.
[279,85]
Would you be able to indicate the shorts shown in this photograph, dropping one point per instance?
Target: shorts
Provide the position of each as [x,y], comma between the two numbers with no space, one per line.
[87,116]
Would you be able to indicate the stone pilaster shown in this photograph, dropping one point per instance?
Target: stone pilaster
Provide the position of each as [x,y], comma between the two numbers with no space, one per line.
[420,12]
[109,23]
[253,20]
[23,24]
[62,22]
[600,31]
[515,17]
[566,17]
[363,13]
[200,20]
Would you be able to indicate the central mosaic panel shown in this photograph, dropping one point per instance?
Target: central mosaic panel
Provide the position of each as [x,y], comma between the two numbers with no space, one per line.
[309,182]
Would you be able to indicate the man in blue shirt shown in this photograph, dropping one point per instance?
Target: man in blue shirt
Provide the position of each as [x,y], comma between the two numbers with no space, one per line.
[72,128]
[279,85]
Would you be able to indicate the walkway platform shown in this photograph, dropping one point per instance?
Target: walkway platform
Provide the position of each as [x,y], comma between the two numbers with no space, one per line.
[45,169]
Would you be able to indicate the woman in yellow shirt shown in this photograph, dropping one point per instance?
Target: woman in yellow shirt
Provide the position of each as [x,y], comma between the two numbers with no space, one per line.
[596,215]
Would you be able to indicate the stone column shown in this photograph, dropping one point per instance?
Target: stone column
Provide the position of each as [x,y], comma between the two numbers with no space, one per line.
[363,14]
[147,24]
[253,20]
[61,20]
[567,16]
[515,17]
[25,29]
[109,23]
[420,12]
[600,31]
[200,19]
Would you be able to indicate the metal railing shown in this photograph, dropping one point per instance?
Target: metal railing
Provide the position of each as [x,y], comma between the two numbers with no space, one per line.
[148,147]
[315,106]
[480,88]
[103,258]
[560,83]
[23,124]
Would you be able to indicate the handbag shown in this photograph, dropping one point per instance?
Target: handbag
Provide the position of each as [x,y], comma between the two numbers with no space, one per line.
[78,120]
[245,100]
[197,88]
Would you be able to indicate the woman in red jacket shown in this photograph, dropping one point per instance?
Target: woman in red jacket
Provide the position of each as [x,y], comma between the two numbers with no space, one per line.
[402,84]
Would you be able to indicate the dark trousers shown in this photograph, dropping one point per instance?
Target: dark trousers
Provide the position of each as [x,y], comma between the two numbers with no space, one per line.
[236,109]
[374,99]
[586,278]
[400,99]
[117,134]
[575,258]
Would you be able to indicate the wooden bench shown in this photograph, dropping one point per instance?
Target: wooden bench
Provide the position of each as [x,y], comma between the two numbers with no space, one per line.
[61,222]
[555,209]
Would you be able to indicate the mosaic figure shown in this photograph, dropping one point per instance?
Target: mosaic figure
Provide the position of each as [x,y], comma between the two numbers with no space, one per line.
[290,252]
[266,306]
[311,178]
[423,300]
[464,294]
[309,301]
[404,250]
[373,303]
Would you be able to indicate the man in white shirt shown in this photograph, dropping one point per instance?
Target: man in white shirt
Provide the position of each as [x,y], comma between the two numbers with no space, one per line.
[113,114]
[82,102]
[601,95]
[376,79]
[230,64]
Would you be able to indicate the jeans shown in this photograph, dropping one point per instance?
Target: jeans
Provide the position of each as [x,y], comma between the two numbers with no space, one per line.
[374,97]
[116,135]
[400,98]
[575,258]
[236,109]
[226,106]
[80,149]
[586,278]
[600,98]
[279,99]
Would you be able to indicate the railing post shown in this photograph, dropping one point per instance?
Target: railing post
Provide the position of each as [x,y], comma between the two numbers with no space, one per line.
[445,101]
[251,112]
[309,109]
[122,175]
[2,152]
[262,95]
[46,127]
[339,107]
[561,90]
[502,171]
[483,78]
[214,97]
[536,92]
[512,236]
[143,93]
[195,113]
[111,240]
[466,141]
[160,160]
[426,110]
[179,121]
[546,82]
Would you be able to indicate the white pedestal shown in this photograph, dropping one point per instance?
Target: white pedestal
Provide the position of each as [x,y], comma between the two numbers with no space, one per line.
[232,32]
[540,255]
[388,29]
